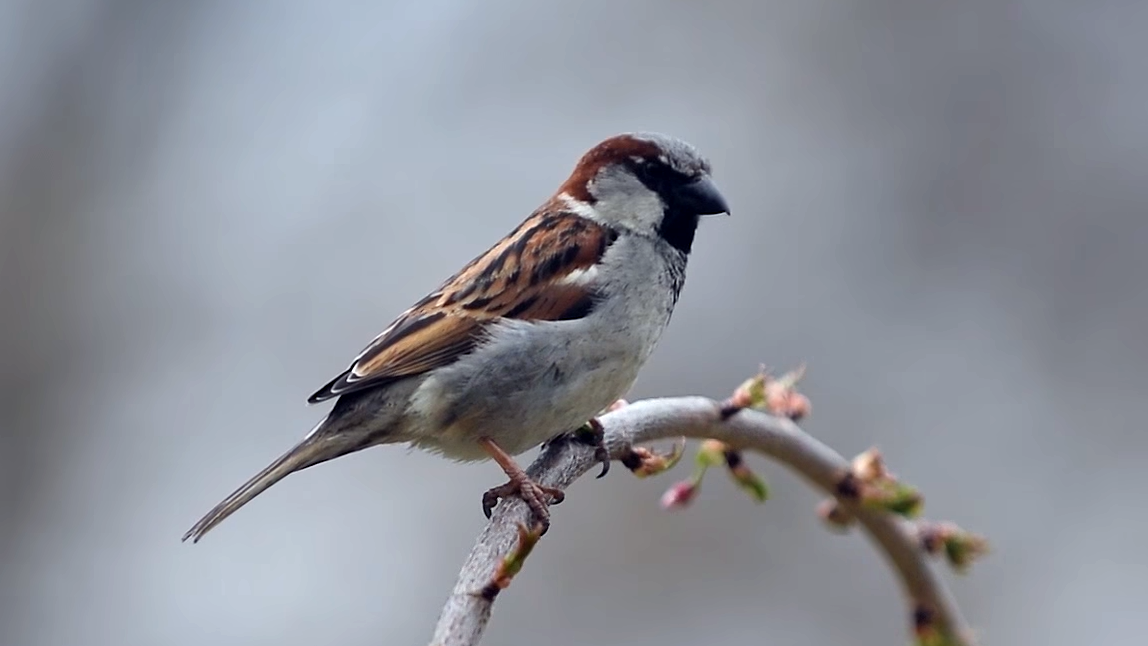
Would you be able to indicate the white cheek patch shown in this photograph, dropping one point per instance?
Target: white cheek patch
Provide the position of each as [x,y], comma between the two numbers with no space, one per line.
[580,276]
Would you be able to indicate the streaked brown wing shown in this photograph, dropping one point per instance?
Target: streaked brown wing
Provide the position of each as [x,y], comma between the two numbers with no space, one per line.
[542,271]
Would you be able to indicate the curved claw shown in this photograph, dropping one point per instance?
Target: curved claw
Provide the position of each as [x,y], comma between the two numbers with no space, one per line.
[489,500]
[603,455]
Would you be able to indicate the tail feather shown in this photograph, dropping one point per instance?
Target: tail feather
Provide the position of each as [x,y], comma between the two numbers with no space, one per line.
[315,448]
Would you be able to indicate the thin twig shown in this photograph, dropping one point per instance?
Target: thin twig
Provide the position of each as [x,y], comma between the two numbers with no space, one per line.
[467,611]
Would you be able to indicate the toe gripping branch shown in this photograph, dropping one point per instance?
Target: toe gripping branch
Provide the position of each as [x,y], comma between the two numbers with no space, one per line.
[592,433]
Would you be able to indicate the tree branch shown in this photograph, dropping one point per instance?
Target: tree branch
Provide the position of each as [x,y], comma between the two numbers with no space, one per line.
[935,615]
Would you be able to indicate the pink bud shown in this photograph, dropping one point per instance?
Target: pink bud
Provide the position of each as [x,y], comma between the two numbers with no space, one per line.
[621,403]
[679,495]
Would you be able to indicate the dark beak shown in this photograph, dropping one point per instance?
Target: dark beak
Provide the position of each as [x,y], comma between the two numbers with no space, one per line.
[700,197]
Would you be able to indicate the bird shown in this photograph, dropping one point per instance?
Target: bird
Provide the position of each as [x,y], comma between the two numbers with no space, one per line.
[530,340]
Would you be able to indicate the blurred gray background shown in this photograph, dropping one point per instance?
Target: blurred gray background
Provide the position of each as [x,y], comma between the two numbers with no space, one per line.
[207,208]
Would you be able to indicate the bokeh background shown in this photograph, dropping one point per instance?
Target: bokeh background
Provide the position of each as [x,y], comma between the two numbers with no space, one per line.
[207,208]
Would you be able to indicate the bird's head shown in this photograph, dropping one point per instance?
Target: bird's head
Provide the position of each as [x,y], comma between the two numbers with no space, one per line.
[648,183]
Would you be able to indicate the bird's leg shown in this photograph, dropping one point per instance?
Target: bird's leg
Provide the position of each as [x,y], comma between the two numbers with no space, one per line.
[537,497]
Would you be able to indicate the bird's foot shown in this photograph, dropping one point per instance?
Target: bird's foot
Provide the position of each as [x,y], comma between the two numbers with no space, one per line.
[593,434]
[536,496]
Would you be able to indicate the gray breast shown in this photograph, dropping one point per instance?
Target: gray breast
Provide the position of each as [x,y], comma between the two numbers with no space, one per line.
[535,380]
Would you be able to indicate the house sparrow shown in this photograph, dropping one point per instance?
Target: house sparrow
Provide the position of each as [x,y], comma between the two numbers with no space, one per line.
[532,338]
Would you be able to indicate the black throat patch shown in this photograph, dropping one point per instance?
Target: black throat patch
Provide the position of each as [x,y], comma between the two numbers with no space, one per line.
[678,228]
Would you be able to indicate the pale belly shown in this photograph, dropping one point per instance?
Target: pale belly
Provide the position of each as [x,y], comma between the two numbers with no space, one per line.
[525,390]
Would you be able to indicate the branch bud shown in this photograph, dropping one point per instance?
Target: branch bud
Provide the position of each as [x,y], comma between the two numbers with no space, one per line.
[890,495]
[512,563]
[751,393]
[750,482]
[711,453]
[781,396]
[681,494]
[644,462]
[869,466]
[834,515]
[925,626]
[960,547]
[872,482]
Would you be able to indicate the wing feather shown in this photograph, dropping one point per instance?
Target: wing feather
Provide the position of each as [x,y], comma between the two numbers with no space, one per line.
[543,271]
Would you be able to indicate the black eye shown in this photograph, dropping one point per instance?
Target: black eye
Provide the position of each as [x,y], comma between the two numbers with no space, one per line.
[658,176]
